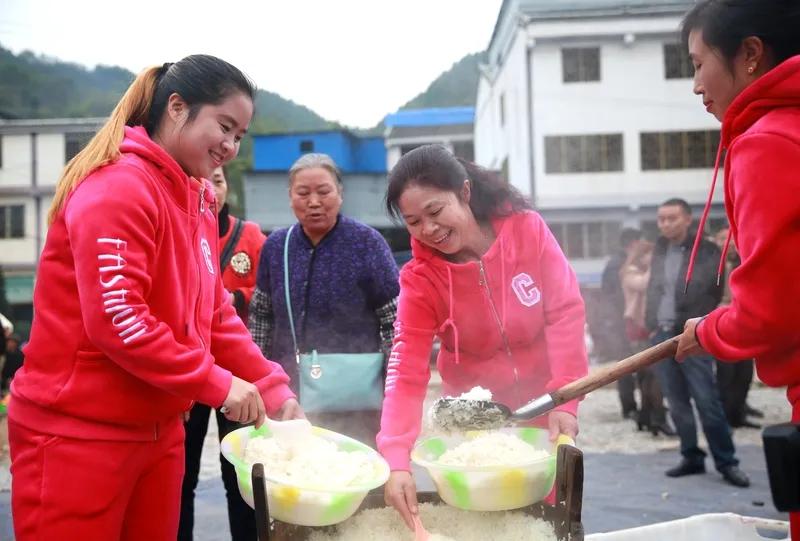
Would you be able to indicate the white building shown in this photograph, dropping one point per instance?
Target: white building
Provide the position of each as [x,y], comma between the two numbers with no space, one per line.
[587,106]
[32,156]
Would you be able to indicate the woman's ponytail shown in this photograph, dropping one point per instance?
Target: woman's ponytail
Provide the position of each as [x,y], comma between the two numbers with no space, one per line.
[133,109]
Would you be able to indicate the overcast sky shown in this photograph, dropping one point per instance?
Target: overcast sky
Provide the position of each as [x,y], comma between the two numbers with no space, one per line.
[350,61]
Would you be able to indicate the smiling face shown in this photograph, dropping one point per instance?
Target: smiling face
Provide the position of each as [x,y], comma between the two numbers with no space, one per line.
[211,138]
[316,199]
[437,218]
[719,81]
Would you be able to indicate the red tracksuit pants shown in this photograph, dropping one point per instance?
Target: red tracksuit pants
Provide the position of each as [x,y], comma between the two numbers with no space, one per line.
[93,490]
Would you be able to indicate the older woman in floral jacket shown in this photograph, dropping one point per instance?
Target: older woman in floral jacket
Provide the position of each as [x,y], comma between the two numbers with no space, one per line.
[343,285]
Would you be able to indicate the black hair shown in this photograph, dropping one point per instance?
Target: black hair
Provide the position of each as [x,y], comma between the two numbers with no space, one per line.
[628,235]
[199,80]
[436,166]
[678,202]
[726,23]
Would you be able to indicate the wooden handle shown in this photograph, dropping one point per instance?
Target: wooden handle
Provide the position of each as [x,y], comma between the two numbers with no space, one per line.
[612,373]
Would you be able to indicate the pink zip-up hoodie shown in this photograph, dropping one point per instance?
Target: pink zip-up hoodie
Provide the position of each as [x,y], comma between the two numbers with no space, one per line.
[512,323]
[131,321]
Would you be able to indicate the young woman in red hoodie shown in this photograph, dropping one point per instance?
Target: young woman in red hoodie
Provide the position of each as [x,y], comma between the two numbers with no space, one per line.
[489,279]
[132,323]
[747,69]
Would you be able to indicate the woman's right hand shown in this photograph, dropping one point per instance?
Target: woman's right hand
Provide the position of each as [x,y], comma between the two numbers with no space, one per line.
[243,403]
[401,493]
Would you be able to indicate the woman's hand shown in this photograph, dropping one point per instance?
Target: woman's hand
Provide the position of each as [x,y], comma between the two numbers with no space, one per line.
[561,422]
[243,403]
[688,344]
[290,410]
[401,493]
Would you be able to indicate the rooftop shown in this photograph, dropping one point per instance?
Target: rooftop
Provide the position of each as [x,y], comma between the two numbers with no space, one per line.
[438,116]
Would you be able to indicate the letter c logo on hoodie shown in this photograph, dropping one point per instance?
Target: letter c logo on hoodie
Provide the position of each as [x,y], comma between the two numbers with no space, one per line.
[206,249]
[525,289]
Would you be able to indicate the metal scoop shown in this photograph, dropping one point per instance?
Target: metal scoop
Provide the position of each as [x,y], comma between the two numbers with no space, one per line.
[460,414]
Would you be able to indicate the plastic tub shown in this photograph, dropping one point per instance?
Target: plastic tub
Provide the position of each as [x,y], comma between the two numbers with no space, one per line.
[305,506]
[708,527]
[491,488]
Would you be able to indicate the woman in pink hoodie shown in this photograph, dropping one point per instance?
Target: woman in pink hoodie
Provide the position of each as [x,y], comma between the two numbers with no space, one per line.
[747,69]
[489,279]
[131,321]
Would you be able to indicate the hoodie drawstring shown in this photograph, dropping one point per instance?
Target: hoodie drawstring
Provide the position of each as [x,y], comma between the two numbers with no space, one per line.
[189,231]
[701,228]
[450,321]
[504,287]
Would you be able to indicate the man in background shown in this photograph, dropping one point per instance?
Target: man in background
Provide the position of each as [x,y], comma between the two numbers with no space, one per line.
[669,304]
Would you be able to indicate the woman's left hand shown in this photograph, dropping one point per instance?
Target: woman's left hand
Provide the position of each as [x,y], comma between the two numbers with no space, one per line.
[688,344]
[561,422]
[290,410]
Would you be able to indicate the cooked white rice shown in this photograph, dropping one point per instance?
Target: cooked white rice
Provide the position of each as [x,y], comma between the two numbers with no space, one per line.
[445,523]
[310,462]
[476,393]
[492,449]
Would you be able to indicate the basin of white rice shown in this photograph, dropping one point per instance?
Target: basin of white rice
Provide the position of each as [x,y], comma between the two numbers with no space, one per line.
[444,523]
[311,462]
[492,449]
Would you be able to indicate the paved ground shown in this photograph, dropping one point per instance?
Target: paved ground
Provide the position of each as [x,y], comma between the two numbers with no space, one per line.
[624,481]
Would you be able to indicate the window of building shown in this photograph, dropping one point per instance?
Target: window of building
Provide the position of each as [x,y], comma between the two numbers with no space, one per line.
[12,222]
[679,149]
[583,153]
[306,146]
[74,143]
[1,151]
[677,64]
[581,64]
[587,240]
[502,107]
[464,149]
[405,149]
[713,224]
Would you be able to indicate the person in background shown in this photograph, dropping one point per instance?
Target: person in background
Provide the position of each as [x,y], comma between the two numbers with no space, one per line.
[615,345]
[734,379]
[634,276]
[14,359]
[131,321]
[490,280]
[342,283]
[240,245]
[667,309]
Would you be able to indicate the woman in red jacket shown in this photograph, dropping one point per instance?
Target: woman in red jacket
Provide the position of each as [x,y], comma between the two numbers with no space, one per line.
[132,323]
[489,279]
[747,69]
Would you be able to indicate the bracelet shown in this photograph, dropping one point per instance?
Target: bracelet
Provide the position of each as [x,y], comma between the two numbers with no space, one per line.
[697,338]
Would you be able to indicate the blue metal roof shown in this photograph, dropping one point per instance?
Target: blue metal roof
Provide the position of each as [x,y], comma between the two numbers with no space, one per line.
[438,116]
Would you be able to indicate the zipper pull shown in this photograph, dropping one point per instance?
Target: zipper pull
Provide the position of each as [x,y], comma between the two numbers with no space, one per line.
[202,200]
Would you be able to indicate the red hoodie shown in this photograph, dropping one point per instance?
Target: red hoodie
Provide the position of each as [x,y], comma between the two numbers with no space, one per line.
[512,322]
[131,321]
[239,277]
[761,131]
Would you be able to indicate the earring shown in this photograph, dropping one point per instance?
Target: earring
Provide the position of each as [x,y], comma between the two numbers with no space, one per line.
[751,69]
